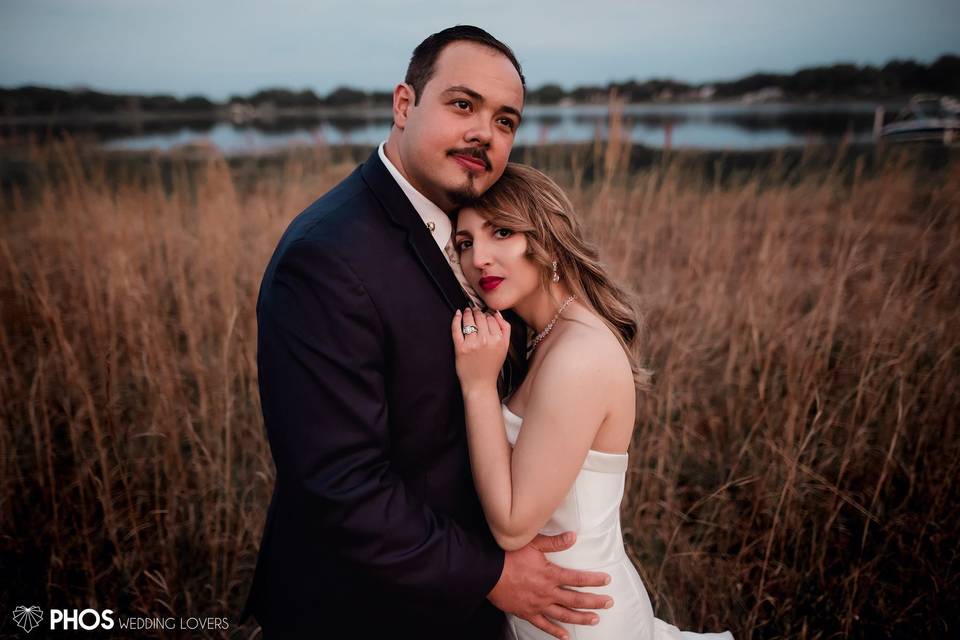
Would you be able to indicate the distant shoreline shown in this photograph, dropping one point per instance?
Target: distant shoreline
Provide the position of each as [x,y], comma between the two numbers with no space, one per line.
[225,115]
[892,83]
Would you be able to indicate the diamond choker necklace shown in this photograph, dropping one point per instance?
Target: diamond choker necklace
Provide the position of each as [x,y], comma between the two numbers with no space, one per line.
[537,339]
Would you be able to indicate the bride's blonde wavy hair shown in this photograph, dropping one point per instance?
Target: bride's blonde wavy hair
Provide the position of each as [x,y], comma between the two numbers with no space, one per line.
[525,200]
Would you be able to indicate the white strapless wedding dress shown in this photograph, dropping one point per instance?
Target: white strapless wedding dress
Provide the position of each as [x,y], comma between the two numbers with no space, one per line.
[592,510]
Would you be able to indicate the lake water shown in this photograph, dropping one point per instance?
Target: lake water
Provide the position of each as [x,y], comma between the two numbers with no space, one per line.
[697,126]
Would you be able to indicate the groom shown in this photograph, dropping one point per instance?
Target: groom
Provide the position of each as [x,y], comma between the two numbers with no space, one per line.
[375,527]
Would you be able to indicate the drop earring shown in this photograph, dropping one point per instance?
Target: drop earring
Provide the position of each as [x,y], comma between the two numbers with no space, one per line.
[556,276]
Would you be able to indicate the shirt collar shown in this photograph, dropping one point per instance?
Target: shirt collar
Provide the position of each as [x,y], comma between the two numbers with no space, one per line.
[429,212]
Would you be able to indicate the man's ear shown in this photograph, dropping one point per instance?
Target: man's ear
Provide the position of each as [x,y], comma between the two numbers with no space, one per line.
[403,99]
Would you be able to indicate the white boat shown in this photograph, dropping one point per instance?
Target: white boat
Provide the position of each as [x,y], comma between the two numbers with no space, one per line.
[926,118]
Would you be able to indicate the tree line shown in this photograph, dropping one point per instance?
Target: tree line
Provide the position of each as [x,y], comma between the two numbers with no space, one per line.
[897,78]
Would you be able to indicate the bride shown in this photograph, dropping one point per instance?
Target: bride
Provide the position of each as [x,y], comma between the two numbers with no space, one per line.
[553,458]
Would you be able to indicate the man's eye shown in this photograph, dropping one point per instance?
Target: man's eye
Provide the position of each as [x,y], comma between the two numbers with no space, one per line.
[461,104]
[503,233]
[508,123]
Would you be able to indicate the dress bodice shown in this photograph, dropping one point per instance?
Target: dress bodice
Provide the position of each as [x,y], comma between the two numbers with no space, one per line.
[591,507]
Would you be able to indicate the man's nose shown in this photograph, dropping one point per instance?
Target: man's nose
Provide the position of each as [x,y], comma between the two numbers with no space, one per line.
[480,132]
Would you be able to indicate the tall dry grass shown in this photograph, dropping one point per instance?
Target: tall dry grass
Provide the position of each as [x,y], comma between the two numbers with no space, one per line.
[794,471]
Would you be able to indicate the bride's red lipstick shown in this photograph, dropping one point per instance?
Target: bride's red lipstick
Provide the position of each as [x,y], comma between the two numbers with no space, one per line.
[490,283]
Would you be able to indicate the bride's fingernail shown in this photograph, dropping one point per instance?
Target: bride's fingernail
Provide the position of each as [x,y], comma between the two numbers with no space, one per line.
[595,620]
[608,605]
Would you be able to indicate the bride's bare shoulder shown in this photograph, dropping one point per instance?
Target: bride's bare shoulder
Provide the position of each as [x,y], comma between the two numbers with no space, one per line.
[588,344]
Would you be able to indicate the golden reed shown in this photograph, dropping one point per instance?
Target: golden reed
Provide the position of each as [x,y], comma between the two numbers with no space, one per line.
[794,472]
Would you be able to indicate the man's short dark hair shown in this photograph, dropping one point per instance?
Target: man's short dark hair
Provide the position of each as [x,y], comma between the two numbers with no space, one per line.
[424,58]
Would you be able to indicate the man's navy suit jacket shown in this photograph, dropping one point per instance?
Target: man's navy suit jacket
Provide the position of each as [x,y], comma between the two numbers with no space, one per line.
[374,521]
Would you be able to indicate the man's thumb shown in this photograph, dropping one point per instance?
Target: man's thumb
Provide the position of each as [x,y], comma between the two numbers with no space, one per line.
[551,544]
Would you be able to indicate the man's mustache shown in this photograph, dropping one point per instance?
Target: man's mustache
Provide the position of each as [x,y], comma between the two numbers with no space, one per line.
[473,152]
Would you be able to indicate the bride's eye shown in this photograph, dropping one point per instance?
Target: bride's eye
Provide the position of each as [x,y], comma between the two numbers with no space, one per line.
[503,233]
[463,245]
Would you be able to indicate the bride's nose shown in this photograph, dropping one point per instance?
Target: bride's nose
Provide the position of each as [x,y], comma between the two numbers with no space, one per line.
[481,255]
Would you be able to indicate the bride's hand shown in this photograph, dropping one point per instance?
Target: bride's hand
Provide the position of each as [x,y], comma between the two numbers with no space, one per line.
[480,354]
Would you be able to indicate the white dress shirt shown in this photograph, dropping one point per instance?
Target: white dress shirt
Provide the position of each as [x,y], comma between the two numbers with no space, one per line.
[436,221]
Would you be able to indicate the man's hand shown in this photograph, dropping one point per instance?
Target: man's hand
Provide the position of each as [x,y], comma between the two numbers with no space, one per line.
[532,588]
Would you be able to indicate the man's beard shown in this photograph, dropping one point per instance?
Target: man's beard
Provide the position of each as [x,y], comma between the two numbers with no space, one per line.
[466,195]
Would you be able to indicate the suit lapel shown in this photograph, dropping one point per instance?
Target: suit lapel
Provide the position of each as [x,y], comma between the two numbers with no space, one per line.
[403,213]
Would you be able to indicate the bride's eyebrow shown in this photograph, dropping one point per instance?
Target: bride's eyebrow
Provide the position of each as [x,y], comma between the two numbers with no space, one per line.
[464,232]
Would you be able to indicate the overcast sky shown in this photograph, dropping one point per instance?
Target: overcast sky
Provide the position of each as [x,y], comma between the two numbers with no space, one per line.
[219,47]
